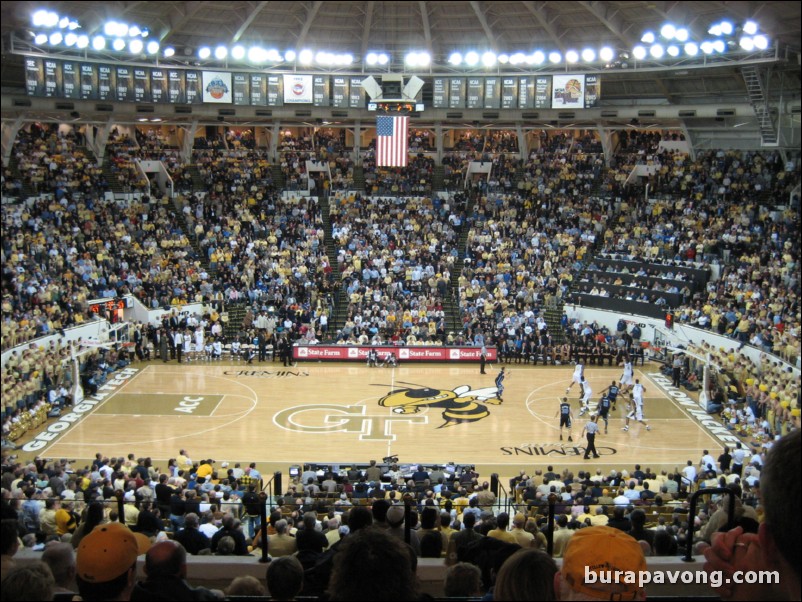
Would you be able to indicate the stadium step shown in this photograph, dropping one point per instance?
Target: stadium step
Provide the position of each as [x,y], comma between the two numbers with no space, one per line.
[454,319]
[359,178]
[198,183]
[337,317]
[278,176]
[111,177]
[27,190]
[190,232]
[438,178]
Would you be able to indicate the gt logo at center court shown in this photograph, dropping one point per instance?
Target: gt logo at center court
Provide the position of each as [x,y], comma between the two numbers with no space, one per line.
[330,418]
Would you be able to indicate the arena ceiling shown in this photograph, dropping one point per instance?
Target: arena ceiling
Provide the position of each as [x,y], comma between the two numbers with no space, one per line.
[443,27]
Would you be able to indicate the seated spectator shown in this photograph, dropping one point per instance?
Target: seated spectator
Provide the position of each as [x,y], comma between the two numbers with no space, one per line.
[106,563]
[463,580]
[373,565]
[246,586]
[526,575]
[285,578]
[32,581]
[166,572]
[584,554]
[193,541]
[60,557]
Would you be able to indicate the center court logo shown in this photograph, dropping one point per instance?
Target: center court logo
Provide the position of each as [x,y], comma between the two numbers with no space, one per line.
[329,418]
[460,405]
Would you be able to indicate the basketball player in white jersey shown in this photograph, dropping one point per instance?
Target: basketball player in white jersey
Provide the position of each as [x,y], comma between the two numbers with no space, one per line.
[199,343]
[626,377]
[579,374]
[586,393]
[188,345]
[636,410]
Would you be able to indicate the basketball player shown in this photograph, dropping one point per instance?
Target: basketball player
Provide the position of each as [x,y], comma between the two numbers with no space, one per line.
[603,410]
[626,377]
[500,382]
[612,393]
[188,338]
[199,343]
[579,374]
[636,410]
[390,360]
[566,417]
[587,391]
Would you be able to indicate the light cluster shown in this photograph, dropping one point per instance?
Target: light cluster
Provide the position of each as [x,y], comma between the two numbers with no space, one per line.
[670,41]
[725,36]
[55,30]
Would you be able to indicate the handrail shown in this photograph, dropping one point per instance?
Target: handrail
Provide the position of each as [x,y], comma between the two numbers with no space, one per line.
[692,515]
[507,505]
[550,527]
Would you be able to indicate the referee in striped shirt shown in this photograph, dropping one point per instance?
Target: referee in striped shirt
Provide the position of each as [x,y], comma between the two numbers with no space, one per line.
[591,428]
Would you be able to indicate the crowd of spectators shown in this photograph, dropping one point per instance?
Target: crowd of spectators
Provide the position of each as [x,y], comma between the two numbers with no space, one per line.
[487,141]
[242,172]
[123,153]
[51,160]
[413,180]
[395,258]
[215,509]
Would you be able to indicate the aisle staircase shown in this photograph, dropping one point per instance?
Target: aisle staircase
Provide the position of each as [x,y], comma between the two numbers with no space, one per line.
[340,309]
[278,176]
[359,179]
[438,178]
[198,183]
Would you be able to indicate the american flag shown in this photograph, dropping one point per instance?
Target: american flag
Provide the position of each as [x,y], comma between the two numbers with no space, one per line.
[391,141]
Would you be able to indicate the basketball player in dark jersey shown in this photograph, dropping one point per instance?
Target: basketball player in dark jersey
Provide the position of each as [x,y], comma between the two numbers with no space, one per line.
[566,417]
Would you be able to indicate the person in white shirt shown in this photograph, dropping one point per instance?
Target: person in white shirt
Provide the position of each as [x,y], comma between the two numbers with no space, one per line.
[738,457]
[578,376]
[689,474]
[636,407]
[188,345]
[587,391]
[199,344]
[626,377]
[708,462]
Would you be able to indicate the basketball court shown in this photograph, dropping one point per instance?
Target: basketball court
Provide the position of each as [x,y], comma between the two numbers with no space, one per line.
[343,413]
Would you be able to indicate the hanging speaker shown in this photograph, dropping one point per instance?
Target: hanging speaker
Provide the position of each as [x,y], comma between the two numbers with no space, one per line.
[412,88]
[371,87]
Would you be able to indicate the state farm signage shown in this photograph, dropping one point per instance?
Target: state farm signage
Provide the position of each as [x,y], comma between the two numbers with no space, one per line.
[402,354]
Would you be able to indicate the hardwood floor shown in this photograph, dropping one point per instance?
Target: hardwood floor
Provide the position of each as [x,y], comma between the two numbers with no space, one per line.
[343,413]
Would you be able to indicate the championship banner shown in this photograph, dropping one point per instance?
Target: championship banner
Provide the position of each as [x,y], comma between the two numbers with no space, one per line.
[347,353]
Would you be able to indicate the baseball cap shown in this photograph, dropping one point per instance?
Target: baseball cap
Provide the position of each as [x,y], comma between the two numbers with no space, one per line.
[108,552]
[602,549]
